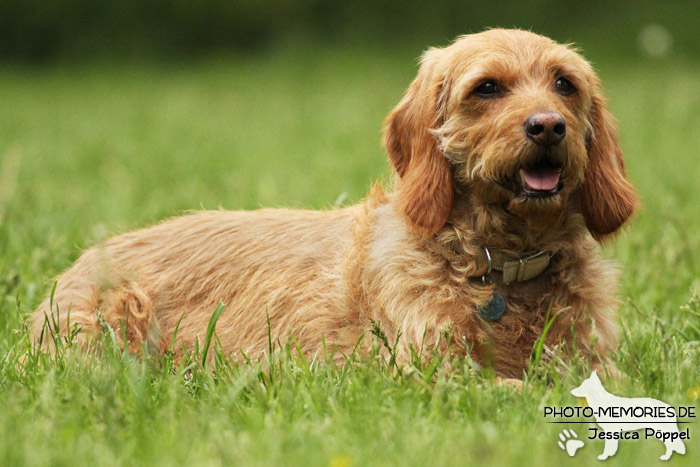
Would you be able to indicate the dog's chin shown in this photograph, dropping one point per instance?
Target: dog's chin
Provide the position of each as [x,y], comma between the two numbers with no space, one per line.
[538,205]
[536,189]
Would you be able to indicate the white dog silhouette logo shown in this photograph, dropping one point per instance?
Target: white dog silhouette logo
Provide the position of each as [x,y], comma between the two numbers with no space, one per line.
[618,415]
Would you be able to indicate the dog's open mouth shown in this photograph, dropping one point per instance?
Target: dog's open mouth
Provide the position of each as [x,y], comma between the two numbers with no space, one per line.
[540,180]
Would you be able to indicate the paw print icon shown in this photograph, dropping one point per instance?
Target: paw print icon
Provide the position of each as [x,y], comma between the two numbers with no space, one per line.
[569,442]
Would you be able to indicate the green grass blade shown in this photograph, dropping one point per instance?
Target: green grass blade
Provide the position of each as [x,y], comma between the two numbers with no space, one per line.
[211,327]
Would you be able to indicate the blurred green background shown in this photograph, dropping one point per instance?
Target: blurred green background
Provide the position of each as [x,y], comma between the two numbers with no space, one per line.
[49,29]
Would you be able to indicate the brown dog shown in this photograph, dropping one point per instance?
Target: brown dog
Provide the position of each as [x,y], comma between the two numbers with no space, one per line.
[507,170]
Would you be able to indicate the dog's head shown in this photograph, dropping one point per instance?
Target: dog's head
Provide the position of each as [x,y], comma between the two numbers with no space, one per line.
[590,387]
[516,119]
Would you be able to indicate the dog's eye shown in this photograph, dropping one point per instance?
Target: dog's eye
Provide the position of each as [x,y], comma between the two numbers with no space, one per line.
[564,87]
[488,89]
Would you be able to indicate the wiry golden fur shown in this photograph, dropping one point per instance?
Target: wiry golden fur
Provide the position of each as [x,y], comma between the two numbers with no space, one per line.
[404,259]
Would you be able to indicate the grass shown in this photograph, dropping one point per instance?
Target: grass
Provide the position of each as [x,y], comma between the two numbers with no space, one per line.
[94,149]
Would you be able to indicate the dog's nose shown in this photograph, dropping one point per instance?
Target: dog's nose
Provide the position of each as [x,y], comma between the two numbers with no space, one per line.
[546,128]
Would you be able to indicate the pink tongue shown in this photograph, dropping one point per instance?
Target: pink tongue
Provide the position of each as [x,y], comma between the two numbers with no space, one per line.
[540,179]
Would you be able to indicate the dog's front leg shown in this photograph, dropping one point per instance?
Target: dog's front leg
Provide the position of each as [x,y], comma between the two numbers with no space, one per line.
[609,450]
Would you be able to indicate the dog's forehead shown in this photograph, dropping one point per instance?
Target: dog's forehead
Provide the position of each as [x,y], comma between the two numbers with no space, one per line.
[511,53]
[517,44]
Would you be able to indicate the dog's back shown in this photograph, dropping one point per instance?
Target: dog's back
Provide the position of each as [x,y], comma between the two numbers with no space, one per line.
[276,263]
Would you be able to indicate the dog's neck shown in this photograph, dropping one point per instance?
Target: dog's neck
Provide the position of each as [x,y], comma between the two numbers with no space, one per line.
[474,225]
[599,397]
[492,225]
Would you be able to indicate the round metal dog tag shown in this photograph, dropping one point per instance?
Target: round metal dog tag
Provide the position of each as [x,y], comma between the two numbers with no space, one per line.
[493,309]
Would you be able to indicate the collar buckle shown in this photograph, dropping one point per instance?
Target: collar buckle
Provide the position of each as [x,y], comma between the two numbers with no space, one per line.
[486,278]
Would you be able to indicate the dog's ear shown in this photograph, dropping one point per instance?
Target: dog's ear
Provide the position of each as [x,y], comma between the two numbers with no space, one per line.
[424,190]
[608,198]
